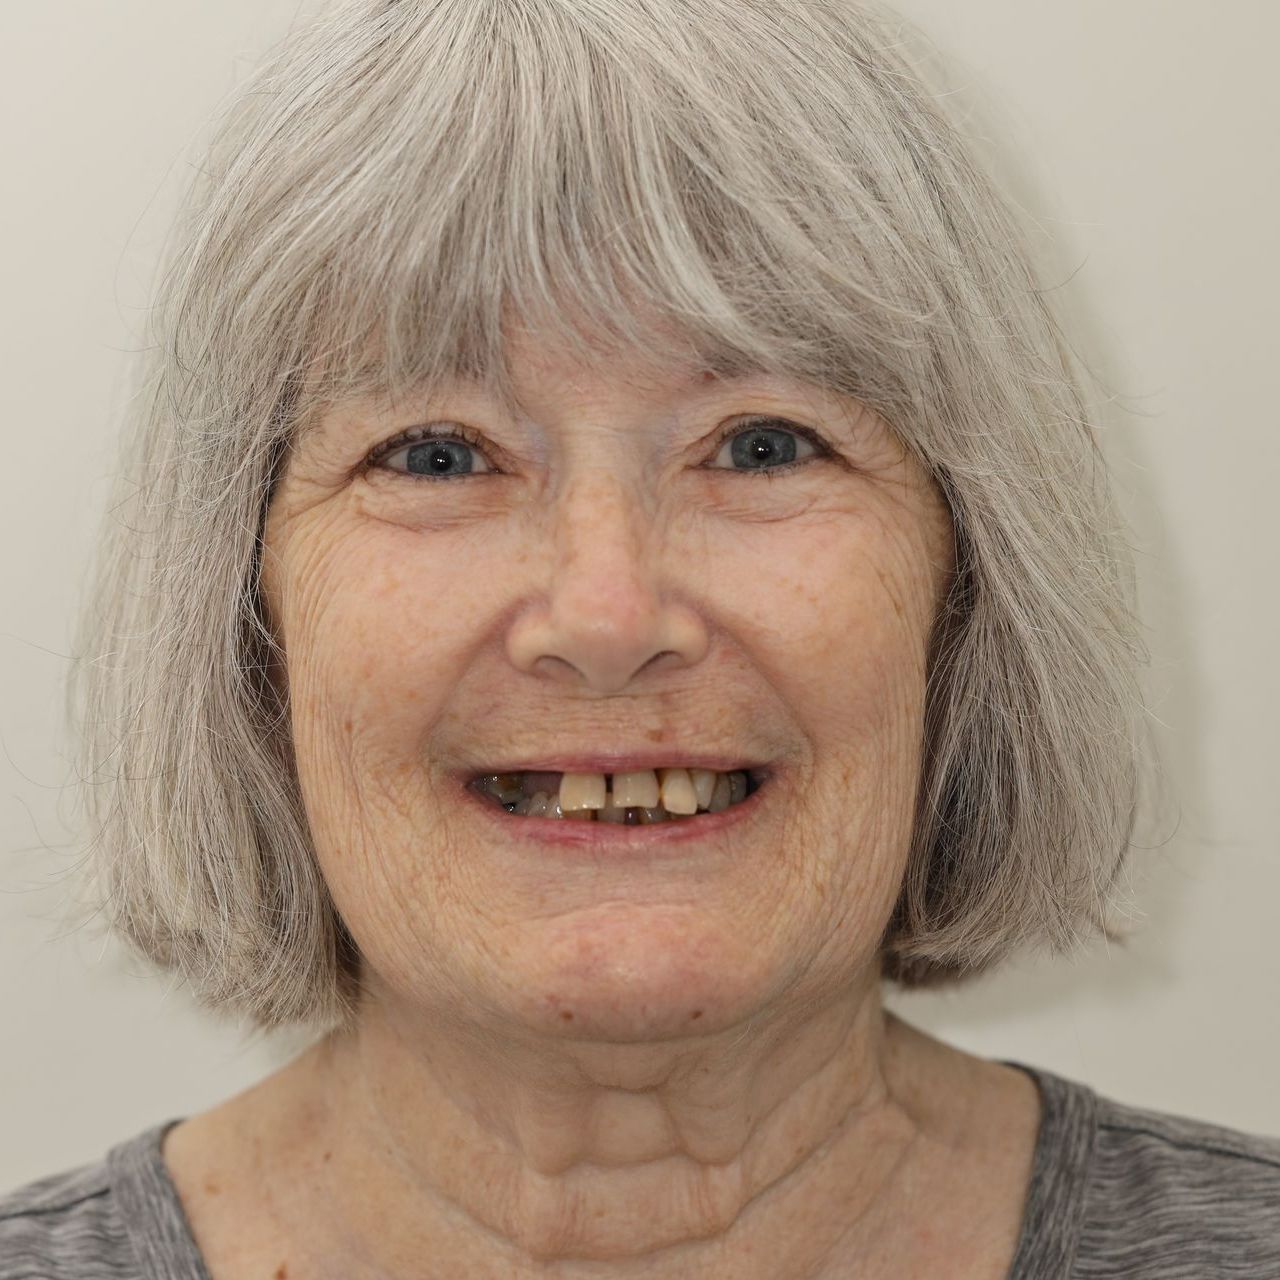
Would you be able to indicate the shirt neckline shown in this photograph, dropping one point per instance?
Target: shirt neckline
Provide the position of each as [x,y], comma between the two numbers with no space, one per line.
[152,1210]
[1053,1216]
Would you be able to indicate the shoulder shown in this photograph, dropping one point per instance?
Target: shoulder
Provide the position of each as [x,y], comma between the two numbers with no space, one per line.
[64,1225]
[1175,1196]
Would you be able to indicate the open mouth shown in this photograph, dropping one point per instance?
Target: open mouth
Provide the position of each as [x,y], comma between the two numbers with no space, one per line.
[629,799]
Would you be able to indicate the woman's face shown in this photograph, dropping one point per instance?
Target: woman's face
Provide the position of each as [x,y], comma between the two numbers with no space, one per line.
[605,573]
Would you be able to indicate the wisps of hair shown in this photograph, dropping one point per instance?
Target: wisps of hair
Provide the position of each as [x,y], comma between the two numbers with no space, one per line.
[774,183]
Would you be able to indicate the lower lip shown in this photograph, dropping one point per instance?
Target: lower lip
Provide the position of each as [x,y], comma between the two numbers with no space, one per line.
[615,838]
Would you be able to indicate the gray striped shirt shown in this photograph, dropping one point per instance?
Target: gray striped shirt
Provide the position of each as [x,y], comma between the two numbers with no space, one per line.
[1116,1191]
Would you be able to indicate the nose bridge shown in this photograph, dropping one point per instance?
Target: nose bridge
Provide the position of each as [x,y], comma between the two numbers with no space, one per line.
[604,529]
[608,609]
[604,590]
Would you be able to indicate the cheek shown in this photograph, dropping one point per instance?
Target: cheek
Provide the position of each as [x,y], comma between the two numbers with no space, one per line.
[847,625]
[370,640]
[840,613]
[368,646]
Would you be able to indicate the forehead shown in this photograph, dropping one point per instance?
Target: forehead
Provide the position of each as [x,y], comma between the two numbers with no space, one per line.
[540,383]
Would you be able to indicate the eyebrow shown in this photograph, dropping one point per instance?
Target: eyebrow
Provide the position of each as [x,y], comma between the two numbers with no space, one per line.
[721,367]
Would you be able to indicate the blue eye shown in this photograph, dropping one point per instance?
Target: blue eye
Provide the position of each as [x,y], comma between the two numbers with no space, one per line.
[768,445]
[431,455]
[764,445]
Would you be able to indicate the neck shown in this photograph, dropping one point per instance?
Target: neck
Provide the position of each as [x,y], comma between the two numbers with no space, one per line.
[410,1140]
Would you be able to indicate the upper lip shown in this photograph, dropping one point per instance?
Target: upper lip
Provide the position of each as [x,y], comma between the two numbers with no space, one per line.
[622,762]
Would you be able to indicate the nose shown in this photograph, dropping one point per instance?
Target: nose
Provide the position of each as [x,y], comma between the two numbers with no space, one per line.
[609,612]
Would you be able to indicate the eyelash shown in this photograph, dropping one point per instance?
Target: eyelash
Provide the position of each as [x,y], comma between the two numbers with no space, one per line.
[415,435]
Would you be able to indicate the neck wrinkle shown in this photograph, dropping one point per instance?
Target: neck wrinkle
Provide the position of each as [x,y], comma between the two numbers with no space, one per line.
[857,1156]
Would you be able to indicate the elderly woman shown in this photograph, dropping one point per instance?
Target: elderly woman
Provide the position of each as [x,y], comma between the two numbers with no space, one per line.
[619,567]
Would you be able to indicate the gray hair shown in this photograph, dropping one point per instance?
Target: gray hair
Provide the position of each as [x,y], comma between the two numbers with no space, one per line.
[775,181]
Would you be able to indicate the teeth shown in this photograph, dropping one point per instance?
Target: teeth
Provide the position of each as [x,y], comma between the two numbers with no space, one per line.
[639,797]
[720,797]
[535,806]
[637,790]
[677,791]
[704,785]
[612,813]
[582,791]
[507,787]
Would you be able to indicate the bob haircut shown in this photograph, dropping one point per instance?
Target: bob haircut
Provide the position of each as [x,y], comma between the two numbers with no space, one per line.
[774,181]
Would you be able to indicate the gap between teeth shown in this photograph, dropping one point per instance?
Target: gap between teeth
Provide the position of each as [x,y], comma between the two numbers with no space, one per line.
[644,796]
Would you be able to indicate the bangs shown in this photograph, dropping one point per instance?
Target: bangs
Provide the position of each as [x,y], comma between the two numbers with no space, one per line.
[478,166]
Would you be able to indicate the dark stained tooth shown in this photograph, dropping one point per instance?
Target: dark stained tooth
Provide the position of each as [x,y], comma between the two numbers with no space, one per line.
[507,788]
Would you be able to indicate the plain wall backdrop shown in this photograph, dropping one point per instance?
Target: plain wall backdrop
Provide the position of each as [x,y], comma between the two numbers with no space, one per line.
[1140,138]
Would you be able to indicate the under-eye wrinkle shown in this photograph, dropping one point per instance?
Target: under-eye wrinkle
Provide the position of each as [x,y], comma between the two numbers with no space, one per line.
[761,427]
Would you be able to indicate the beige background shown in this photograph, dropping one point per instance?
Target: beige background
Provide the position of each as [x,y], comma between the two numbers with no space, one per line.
[1144,145]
